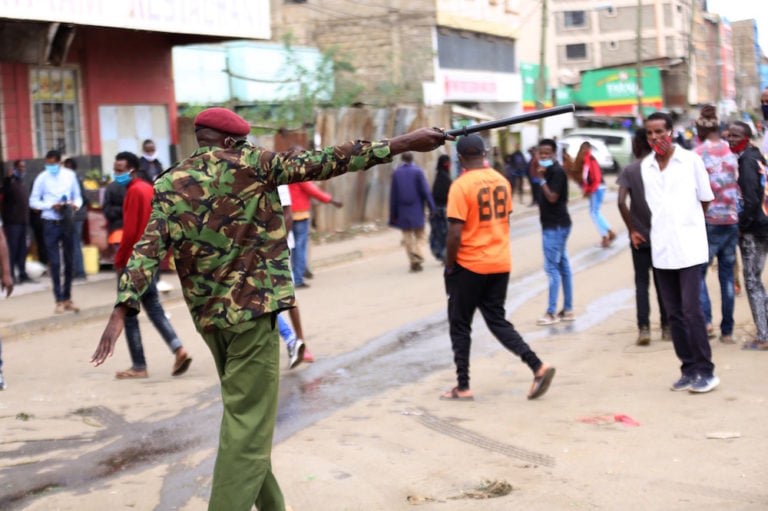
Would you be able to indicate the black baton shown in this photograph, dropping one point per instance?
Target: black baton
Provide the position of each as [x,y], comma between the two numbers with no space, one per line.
[515,119]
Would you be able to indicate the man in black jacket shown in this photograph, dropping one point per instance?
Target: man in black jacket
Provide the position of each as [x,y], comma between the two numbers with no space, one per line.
[753,226]
[15,214]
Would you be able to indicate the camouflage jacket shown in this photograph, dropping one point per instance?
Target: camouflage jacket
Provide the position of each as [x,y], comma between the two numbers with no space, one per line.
[218,212]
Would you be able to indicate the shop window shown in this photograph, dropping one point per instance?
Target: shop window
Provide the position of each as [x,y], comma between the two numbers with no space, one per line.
[576,51]
[574,19]
[55,110]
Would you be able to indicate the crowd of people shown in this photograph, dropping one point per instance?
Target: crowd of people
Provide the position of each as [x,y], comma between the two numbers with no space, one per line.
[240,268]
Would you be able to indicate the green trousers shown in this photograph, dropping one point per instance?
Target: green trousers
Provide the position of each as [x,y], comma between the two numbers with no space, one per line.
[248,366]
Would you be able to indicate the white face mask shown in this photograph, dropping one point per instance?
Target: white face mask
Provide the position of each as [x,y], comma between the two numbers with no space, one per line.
[149,156]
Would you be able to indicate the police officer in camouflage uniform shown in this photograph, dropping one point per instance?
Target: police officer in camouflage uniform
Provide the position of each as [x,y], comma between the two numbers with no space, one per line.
[218,212]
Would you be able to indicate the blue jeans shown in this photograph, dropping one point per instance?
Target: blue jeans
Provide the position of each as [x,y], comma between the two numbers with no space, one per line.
[56,236]
[285,330]
[299,253]
[151,303]
[595,201]
[722,244]
[557,266]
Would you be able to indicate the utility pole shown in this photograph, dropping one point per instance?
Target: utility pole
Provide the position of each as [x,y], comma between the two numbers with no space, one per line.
[689,75]
[639,59]
[541,83]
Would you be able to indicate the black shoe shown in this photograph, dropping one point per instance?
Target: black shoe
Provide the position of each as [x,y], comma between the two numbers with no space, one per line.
[308,274]
[26,280]
[302,285]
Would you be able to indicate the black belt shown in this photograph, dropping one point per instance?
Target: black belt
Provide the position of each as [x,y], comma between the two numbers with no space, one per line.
[52,221]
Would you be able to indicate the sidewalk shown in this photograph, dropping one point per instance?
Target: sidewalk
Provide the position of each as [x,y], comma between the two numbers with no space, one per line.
[29,310]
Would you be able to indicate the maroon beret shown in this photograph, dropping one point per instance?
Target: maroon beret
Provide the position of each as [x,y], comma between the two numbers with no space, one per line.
[223,120]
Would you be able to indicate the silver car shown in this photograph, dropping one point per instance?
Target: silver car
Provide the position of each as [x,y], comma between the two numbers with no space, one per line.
[600,151]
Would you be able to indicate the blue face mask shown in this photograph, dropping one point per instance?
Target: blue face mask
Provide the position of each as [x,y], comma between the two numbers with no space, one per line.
[545,163]
[123,179]
[52,168]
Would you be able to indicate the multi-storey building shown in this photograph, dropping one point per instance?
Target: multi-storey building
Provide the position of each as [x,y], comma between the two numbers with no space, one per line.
[418,51]
[677,37]
[747,56]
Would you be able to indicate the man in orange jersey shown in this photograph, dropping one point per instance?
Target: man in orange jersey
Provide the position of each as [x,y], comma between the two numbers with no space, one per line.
[477,266]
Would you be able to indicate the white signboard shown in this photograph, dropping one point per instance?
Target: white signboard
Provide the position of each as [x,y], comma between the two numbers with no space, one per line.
[459,85]
[237,19]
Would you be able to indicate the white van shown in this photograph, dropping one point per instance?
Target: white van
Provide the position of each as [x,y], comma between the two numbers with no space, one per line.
[619,142]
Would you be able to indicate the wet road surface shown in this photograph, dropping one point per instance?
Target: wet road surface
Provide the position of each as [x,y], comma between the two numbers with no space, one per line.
[400,357]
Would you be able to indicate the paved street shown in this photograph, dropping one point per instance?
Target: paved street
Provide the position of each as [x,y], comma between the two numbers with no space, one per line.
[362,428]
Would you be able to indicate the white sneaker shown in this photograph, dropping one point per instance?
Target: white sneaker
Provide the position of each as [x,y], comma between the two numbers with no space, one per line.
[296,354]
[164,287]
[2,381]
[548,319]
[704,384]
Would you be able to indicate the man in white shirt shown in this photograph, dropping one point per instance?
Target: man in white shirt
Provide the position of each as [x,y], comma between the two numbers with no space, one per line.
[677,191]
[56,193]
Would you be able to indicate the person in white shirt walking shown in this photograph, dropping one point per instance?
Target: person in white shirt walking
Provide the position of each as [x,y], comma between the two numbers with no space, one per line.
[678,191]
[56,193]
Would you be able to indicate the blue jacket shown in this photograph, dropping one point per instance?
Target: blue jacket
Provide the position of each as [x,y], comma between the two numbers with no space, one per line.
[409,194]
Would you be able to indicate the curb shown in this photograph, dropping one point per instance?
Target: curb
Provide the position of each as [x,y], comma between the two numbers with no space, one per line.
[32,327]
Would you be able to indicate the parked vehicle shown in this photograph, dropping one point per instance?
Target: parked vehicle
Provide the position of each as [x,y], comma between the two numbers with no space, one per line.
[599,151]
[619,142]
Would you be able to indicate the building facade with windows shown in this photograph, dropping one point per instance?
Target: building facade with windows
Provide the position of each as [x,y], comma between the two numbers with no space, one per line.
[459,52]
[747,56]
[92,78]
[677,37]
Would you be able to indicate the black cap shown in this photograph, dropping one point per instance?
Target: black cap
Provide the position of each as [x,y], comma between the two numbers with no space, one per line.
[470,145]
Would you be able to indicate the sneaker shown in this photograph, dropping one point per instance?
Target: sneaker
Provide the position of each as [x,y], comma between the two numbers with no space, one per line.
[2,381]
[163,286]
[704,384]
[308,357]
[296,353]
[60,308]
[565,315]
[548,319]
[684,383]
[666,334]
[644,336]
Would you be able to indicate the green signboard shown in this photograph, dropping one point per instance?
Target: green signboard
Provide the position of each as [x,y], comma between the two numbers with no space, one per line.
[611,88]
[530,76]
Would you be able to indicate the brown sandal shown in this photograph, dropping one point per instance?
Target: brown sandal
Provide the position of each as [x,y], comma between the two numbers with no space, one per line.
[131,374]
[453,395]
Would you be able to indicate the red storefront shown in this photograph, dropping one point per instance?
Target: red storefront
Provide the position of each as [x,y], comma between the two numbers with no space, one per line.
[95,77]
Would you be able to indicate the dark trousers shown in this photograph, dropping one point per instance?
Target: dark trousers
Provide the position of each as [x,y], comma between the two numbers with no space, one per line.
[468,291]
[641,260]
[36,222]
[150,301]
[16,235]
[57,237]
[681,292]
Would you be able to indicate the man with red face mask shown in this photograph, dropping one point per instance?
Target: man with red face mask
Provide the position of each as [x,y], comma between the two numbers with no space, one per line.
[753,227]
[678,192]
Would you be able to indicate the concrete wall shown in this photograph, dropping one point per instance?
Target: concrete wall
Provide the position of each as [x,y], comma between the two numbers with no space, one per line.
[366,194]
[388,42]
